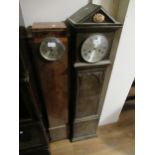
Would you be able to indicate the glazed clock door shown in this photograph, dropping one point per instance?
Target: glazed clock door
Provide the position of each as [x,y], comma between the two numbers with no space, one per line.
[52,49]
[95,48]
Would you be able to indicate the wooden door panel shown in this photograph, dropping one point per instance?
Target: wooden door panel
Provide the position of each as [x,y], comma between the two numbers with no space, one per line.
[89,84]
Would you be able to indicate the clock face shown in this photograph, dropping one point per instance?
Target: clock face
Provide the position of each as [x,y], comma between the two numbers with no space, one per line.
[51,49]
[95,48]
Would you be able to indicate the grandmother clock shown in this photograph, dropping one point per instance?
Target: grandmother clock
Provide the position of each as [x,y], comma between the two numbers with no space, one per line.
[51,61]
[92,31]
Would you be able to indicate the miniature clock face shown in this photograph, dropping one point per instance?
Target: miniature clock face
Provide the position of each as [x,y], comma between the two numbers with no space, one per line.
[51,49]
[95,48]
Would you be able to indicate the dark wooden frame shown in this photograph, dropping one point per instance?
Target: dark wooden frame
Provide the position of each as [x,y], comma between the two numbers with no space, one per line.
[80,27]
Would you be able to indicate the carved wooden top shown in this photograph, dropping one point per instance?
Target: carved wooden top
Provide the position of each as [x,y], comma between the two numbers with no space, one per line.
[84,17]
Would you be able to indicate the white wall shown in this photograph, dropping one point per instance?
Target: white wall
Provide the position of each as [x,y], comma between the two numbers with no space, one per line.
[122,9]
[110,5]
[123,73]
[21,20]
[49,10]
[58,10]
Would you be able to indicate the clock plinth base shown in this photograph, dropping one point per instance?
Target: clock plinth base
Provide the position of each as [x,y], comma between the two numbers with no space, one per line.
[83,137]
[58,133]
[84,128]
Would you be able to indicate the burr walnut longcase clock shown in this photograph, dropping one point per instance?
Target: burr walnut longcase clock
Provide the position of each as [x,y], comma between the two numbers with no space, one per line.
[51,59]
[92,31]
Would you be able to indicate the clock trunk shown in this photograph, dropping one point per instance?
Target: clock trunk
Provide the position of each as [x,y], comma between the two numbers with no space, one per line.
[53,77]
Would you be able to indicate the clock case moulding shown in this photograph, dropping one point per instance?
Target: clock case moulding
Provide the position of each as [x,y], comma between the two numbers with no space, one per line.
[87,79]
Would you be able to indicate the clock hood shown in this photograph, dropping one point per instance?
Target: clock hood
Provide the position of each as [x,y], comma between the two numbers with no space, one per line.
[84,17]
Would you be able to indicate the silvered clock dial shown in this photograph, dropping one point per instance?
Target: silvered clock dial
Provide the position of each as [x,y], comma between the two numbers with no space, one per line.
[95,48]
[51,49]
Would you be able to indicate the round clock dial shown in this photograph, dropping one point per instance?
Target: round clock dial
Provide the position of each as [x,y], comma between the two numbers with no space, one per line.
[51,49]
[95,48]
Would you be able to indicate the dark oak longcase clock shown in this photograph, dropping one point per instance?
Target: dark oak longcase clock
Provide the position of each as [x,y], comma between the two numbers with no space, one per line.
[92,31]
[51,61]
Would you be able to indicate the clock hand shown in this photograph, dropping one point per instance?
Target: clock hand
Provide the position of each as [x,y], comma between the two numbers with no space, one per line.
[92,55]
[48,53]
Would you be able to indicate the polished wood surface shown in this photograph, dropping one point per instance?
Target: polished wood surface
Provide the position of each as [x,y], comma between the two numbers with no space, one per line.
[115,139]
[46,26]
[53,80]
[54,84]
